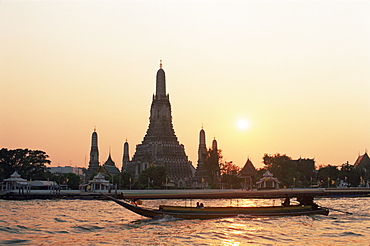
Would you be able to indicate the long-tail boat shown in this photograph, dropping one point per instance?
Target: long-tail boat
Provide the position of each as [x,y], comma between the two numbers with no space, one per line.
[220,212]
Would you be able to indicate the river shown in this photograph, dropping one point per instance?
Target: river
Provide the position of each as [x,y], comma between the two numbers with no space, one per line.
[95,222]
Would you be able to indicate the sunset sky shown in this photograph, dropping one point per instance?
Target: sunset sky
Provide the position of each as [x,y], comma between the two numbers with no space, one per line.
[289,77]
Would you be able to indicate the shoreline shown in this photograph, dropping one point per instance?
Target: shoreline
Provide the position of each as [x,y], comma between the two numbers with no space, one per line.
[185,194]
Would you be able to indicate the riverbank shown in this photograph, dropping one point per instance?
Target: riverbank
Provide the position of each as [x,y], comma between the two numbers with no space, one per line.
[183,194]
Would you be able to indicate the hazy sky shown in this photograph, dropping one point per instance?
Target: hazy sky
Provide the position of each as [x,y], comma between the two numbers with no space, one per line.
[297,71]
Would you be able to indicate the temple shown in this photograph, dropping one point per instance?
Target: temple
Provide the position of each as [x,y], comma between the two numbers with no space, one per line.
[126,156]
[94,156]
[248,173]
[109,167]
[201,173]
[160,145]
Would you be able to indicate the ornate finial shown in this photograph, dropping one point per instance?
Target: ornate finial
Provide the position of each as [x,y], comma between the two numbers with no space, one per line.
[160,63]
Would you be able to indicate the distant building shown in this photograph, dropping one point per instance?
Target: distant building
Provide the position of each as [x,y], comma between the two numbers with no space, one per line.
[99,183]
[66,169]
[362,164]
[94,156]
[160,145]
[201,174]
[268,182]
[363,161]
[126,156]
[14,182]
[109,167]
[248,173]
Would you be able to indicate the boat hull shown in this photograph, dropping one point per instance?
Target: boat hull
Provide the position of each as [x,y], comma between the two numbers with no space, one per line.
[220,212]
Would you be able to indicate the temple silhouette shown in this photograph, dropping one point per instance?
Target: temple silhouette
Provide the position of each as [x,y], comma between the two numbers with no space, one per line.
[160,146]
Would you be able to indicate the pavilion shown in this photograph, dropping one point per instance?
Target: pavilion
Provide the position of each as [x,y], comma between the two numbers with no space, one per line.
[15,182]
[268,181]
[99,183]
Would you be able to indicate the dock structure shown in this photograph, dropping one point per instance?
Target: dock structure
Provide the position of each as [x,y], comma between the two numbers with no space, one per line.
[48,194]
[185,194]
[347,192]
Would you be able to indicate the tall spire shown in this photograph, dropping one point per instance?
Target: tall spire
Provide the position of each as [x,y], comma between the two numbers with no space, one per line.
[201,173]
[214,144]
[126,157]
[202,150]
[94,155]
[202,138]
[94,141]
[160,83]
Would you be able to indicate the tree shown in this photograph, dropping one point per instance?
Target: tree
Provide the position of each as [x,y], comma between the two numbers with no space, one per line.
[212,162]
[282,167]
[152,177]
[327,175]
[229,175]
[228,167]
[71,179]
[350,174]
[306,169]
[127,180]
[30,164]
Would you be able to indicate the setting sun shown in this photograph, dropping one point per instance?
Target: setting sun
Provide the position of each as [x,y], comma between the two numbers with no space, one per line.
[243,124]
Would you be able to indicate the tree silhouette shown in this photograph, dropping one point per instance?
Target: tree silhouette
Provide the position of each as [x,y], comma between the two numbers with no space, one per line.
[30,164]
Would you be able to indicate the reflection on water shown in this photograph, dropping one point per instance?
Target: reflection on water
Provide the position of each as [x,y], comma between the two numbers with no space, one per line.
[81,222]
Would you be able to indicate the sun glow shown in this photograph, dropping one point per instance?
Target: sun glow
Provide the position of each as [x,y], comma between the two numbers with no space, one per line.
[243,124]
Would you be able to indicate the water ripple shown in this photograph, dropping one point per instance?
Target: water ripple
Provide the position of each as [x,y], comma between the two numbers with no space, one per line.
[102,222]
[14,242]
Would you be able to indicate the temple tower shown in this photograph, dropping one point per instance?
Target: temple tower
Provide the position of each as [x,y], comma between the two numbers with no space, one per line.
[160,145]
[94,156]
[214,145]
[126,156]
[201,172]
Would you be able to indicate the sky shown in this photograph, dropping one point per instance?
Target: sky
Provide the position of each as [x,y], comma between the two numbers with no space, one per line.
[288,77]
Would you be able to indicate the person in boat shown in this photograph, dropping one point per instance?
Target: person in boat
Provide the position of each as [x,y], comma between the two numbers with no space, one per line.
[199,205]
[286,202]
[307,200]
[133,201]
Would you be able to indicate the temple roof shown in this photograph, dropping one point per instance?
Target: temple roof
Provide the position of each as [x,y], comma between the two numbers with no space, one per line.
[99,178]
[267,174]
[248,170]
[15,177]
[109,161]
[111,170]
[362,160]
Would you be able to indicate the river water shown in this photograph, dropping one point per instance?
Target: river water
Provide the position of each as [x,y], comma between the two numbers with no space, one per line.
[95,222]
